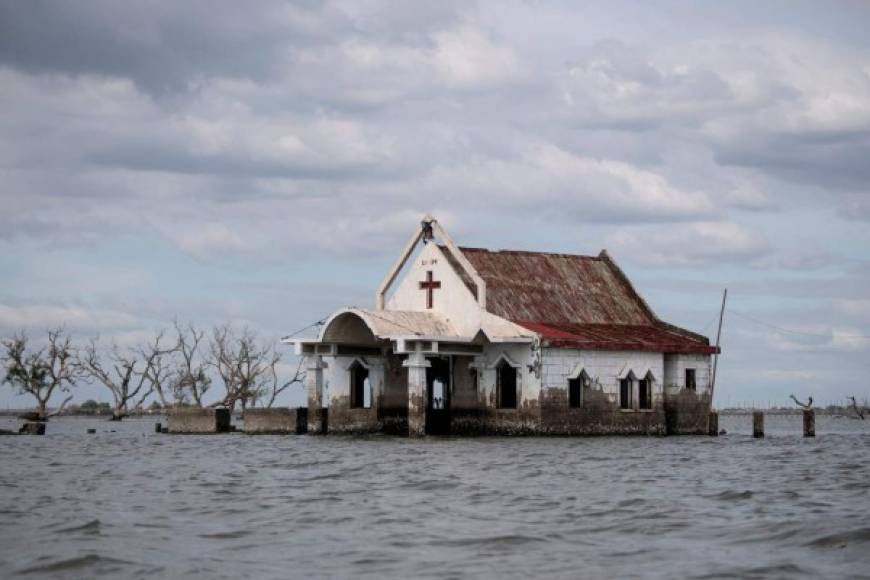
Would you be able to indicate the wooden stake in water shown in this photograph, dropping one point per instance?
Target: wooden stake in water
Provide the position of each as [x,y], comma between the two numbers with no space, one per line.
[809,423]
[758,424]
[713,425]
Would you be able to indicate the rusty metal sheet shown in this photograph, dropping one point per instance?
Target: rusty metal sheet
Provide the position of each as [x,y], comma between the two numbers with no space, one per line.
[556,288]
[648,338]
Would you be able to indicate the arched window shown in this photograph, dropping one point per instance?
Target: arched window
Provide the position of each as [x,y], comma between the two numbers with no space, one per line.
[360,387]
[577,388]
[644,393]
[625,388]
[506,380]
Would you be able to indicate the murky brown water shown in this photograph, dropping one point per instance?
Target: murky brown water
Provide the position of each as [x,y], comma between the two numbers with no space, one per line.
[138,504]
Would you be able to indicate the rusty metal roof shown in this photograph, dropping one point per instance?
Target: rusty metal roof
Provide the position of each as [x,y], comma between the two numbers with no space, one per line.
[617,337]
[571,299]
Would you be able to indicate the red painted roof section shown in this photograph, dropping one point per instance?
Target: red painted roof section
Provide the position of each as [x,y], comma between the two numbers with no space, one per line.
[617,337]
[574,301]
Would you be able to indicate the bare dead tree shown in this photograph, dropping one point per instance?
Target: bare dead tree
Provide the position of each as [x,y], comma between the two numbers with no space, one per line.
[126,375]
[157,370]
[276,387]
[808,405]
[247,368]
[858,410]
[42,372]
[188,376]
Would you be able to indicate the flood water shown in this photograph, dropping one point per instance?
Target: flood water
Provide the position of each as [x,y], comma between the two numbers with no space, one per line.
[132,503]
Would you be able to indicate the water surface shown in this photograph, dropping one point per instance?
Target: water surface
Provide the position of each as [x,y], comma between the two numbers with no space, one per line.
[132,503]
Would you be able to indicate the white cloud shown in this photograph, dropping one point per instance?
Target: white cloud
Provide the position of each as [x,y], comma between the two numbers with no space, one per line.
[554,181]
[689,245]
[209,241]
[40,317]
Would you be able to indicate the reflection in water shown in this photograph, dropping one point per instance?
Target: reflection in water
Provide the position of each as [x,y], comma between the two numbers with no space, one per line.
[132,502]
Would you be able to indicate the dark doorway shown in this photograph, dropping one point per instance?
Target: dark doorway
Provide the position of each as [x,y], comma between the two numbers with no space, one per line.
[438,397]
[360,387]
[506,377]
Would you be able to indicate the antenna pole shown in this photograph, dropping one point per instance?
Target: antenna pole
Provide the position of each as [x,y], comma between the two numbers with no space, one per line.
[718,336]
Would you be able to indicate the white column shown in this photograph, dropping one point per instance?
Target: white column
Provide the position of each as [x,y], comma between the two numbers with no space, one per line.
[314,366]
[416,364]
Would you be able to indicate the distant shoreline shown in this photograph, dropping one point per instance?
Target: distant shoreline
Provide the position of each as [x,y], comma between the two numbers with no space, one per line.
[839,411]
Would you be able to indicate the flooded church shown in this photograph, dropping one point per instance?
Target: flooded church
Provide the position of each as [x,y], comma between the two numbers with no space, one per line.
[472,341]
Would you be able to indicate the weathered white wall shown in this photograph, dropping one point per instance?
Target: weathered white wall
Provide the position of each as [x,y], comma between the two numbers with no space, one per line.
[529,385]
[453,299]
[605,367]
[336,377]
[675,371]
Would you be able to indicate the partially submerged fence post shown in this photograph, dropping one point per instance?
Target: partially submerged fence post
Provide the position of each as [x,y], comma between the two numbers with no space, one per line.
[757,424]
[713,424]
[809,423]
[158,428]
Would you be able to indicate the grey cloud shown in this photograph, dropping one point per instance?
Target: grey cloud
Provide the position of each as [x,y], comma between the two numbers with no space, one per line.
[161,45]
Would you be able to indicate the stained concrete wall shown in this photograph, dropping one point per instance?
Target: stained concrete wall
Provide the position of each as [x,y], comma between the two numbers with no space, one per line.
[600,412]
[542,397]
[526,418]
[277,420]
[675,371]
[342,418]
[688,412]
[198,420]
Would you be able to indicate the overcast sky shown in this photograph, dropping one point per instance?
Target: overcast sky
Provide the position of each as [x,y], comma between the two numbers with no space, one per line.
[263,162]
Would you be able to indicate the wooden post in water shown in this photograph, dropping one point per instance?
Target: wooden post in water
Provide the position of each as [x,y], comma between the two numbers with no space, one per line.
[809,423]
[158,428]
[758,424]
[713,424]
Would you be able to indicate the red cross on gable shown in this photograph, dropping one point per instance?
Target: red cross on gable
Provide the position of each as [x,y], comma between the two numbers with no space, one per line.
[429,285]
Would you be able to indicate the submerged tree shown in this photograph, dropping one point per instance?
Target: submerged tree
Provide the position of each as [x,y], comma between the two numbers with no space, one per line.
[858,410]
[247,368]
[42,372]
[806,406]
[128,376]
[188,376]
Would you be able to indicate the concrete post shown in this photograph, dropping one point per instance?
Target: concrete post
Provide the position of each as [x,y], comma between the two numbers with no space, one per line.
[757,424]
[809,423]
[314,384]
[713,424]
[416,364]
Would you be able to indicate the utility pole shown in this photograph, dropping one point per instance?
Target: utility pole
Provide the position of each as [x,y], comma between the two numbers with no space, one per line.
[718,336]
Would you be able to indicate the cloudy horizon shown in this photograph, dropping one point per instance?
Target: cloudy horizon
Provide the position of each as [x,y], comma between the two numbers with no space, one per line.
[218,162]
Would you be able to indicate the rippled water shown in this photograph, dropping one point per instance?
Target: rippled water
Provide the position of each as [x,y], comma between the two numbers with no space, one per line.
[135,503]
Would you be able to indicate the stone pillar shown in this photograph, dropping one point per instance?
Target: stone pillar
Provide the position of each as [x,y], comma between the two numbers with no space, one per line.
[757,424]
[314,366]
[416,364]
[713,424]
[809,423]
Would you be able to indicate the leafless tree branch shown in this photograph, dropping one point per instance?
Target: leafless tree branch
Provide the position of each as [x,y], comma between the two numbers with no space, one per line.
[807,405]
[858,410]
[42,372]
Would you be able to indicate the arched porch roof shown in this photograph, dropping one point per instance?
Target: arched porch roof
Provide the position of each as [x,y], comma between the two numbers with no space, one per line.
[360,326]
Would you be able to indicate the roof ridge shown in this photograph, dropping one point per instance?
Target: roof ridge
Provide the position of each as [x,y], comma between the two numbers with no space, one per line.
[529,252]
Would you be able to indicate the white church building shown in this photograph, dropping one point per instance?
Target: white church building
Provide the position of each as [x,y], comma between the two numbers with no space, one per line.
[473,341]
